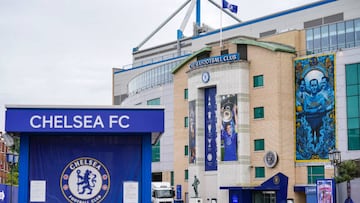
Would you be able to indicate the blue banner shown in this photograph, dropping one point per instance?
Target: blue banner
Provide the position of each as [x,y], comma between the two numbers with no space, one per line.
[84,120]
[210,129]
[85,168]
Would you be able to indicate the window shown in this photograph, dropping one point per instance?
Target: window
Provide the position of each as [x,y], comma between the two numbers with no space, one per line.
[186,122]
[259,144]
[258,112]
[172,178]
[353,105]
[314,173]
[186,93]
[186,150]
[242,50]
[186,174]
[259,172]
[155,154]
[333,36]
[225,51]
[258,80]
[153,102]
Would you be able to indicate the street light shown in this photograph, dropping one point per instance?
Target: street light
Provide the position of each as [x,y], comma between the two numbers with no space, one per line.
[335,158]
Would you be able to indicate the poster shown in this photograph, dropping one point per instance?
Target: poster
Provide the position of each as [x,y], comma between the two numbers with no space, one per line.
[325,191]
[314,107]
[229,134]
[192,132]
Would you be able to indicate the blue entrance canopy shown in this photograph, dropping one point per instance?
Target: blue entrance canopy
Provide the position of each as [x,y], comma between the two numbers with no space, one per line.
[89,154]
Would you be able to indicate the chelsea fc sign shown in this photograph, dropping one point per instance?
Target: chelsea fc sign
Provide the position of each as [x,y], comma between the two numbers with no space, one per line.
[85,180]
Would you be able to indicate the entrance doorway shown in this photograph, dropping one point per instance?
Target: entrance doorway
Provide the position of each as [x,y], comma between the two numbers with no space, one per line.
[264,197]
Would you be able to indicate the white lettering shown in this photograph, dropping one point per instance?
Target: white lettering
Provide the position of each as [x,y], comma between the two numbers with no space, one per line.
[77,122]
[121,121]
[87,121]
[99,122]
[32,121]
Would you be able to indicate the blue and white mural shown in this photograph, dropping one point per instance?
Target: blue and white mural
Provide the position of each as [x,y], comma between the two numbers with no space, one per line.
[315,107]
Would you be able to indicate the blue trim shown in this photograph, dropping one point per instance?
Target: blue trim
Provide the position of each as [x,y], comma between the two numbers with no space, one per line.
[23,169]
[198,13]
[271,16]
[149,64]
[146,169]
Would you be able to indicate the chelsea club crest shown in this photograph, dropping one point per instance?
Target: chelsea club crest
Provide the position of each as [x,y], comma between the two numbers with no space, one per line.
[85,180]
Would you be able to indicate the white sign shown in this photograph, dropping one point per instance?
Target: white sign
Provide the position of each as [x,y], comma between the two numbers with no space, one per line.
[38,191]
[131,192]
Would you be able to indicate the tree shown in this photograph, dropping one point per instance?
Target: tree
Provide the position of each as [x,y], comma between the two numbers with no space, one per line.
[347,171]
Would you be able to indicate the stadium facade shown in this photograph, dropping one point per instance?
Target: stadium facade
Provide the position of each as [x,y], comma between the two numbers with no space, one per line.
[255,114]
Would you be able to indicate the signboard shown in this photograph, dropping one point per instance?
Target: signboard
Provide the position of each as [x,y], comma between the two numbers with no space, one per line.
[84,120]
[215,60]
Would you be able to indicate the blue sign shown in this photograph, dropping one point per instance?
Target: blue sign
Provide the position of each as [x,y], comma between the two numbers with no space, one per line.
[210,129]
[84,120]
[215,60]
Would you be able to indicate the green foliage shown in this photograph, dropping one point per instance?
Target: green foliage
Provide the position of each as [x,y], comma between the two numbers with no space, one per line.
[347,171]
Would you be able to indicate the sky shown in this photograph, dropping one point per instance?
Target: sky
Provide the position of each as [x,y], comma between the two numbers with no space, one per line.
[61,52]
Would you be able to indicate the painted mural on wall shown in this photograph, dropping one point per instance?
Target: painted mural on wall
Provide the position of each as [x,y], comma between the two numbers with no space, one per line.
[229,132]
[192,132]
[315,107]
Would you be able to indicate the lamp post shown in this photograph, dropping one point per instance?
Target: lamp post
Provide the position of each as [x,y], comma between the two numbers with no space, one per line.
[335,159]
[12,158]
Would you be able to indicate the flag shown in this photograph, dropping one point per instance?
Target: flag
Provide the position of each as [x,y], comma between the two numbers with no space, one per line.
[233,8]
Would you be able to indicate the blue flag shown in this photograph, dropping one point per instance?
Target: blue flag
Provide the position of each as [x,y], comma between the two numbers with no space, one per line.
[233,8]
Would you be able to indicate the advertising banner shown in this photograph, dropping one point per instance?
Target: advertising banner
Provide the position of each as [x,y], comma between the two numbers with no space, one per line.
[315,107]
[229,134]
[325,191]
[192,132]
[210,129]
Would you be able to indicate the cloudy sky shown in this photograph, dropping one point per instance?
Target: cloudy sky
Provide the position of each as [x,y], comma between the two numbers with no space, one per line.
[61,52]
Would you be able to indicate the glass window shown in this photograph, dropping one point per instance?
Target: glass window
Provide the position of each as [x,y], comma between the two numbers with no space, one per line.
[186,150]
[259,112]
[353,105]
[314,173]
[186,93]
[186,174]
[357,32]
[259,144]
[155,155]
[186,122]
[333,37]
[317,40]
[350,33]
[153,102]
[309,41]
[172,178]
[341,34]
[258,80]
[325,38]
[223,52]
[259,172]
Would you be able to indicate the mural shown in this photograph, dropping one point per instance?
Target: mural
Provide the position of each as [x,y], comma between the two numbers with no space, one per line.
[228,127]
[315,107]
[192,132]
